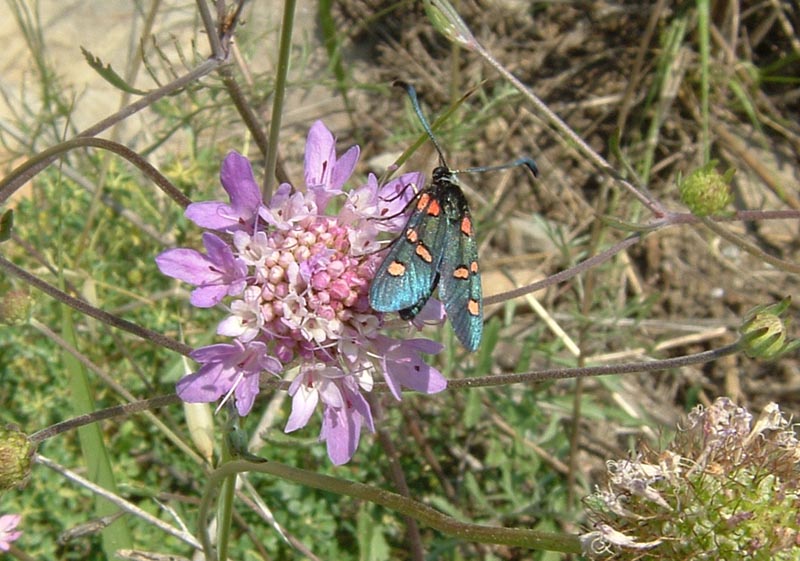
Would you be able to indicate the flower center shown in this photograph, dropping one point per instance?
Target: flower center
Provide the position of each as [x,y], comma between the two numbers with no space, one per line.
[305,290]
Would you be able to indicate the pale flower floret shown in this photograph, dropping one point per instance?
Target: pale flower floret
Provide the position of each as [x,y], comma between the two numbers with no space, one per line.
[601,540]
[8,531]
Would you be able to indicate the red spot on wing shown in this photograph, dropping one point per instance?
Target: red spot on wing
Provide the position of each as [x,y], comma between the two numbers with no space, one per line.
[424,253]
[466,226]
[434,208]
[461,273]
[396,269]
[423,201]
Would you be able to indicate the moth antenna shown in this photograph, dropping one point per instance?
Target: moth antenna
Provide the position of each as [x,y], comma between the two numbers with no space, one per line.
[412,93]
[527,162]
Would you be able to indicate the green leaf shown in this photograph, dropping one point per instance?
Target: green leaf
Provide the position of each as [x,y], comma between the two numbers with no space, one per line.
[98,463]
[373,546]
[473,410]
[109,74]
[6,223]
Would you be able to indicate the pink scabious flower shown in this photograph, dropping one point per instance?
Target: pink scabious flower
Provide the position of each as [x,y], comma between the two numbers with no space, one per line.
[295,282]
[8,531]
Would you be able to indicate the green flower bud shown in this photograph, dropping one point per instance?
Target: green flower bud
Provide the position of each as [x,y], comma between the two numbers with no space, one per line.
[15,307]
[446,20]
[705,191]
[15,458]
[764,331]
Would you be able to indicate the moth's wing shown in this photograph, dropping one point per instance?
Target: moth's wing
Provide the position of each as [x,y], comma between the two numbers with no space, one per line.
[460,280]
[408,274]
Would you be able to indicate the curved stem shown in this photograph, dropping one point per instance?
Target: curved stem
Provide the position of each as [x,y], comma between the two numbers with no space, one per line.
[670,219]
[9,186]
[28,169]
[89,310]
[565,274]
[424,514]
[477,382]
[752,249]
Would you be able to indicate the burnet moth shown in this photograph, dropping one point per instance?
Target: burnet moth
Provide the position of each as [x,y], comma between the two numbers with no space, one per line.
[437,247]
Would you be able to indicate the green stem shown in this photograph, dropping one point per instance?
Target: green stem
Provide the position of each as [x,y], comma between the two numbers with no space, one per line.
[519,537]
[279,96]
[703,23]
[225,505]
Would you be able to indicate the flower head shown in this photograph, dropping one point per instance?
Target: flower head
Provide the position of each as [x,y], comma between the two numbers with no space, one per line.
[294,282]
[8,531]
[726,488]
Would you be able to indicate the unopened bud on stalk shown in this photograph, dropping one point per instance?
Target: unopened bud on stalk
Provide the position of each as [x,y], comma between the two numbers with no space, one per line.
[706,191]
[446,20]
[15,458]
[764,331]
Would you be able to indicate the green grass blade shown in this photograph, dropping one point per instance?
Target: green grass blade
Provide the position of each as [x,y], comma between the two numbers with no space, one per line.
[703,33]
[98,465]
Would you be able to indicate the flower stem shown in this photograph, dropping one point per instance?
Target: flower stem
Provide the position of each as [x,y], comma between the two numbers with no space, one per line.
[225,505]
[81,306]
[519,537]
[280,93]
[588,371]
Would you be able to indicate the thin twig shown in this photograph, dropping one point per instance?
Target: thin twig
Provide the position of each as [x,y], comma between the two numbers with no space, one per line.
[84,308]
[590,371]
[118,501]
[201,70]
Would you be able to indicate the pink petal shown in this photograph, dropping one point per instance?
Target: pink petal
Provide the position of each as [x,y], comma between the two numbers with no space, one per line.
[213,215]
[304,402]
[187,265]
[344,167]
[237,178]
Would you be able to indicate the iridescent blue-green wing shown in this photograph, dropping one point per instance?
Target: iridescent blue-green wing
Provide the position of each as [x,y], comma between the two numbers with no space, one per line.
[460,278]
[408,274]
